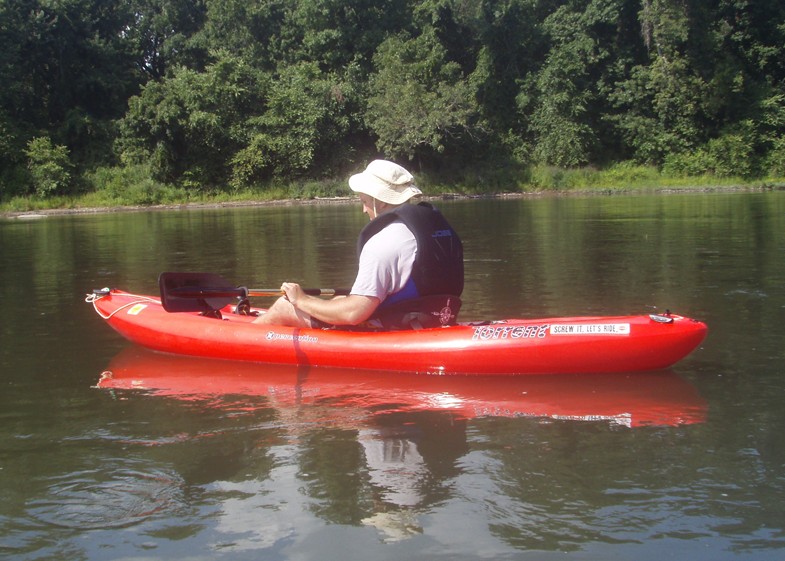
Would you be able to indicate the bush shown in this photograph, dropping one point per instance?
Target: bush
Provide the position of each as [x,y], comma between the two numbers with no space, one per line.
[629,174]
[133,185]
[730,155]
[50,169]
[556,178]
[774,163]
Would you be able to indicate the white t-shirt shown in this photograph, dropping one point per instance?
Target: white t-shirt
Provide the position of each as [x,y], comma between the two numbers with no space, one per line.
[386,262]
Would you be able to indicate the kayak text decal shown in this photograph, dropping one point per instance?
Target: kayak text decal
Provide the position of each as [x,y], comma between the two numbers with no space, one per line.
[590,329]
[487,332]
[273,336]
[136,309]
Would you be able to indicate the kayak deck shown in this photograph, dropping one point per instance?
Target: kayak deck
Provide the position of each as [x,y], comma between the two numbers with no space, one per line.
[511,346]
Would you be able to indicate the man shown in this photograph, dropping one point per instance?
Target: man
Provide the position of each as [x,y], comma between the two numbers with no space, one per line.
[411,264]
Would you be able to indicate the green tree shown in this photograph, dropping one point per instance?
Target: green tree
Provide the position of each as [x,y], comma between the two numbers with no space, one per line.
[746,85]
[772,135]
[336,34]
[161,35]
[248,30]
[188,126]
[566,98]
[301,129]
[510,44]
[209,91]
[67,70]
[662,106]
[559,123]
[419,104]
[49,166]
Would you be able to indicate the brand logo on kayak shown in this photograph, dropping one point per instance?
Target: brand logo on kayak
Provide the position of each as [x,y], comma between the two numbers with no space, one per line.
[273,336]
[136,309]
[488,332]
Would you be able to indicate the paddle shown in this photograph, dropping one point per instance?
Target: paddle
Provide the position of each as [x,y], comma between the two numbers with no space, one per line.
[207,292]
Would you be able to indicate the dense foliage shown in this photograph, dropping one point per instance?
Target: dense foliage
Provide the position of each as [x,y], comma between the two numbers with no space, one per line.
[232,94]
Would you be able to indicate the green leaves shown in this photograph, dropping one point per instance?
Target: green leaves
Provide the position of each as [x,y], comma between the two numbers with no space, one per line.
[419,101]
[303,124]
[217,94]
[49,166]
[193,122]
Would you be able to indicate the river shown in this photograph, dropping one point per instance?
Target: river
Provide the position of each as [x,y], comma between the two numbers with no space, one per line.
[211,460]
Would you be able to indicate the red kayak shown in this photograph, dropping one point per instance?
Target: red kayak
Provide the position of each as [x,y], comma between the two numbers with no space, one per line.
[644,399]
[510,346]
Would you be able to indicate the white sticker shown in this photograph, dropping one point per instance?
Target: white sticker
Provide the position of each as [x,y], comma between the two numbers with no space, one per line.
[136,309]
[590,329]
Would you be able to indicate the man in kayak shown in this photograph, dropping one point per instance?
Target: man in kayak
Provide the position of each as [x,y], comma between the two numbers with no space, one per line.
[411,264]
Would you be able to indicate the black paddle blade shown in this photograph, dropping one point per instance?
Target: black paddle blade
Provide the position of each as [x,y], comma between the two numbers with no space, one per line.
[197,292]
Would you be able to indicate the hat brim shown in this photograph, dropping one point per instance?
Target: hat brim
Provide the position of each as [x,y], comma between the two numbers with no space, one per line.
[377,188]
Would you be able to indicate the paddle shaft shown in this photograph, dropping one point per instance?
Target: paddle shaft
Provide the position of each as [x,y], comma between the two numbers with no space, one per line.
[208,292]
[230,292]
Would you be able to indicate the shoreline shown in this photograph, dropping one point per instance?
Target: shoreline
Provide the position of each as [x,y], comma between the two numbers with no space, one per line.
[38,214]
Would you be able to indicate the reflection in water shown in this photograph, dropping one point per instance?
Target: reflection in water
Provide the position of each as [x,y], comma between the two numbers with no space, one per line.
[648,398]
[377,448]
[395,465]
[396,468]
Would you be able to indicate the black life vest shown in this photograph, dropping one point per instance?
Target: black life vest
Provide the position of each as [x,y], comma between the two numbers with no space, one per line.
[437,273]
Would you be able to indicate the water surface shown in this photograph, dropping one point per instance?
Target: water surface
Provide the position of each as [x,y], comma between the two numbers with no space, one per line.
[192,459]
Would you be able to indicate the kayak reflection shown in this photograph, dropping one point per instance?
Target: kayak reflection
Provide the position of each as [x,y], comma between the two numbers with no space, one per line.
[641,399]
[387,443]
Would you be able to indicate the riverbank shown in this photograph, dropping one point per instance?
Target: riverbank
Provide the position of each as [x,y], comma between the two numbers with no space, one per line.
[132,190]
[42,213]
[33,214]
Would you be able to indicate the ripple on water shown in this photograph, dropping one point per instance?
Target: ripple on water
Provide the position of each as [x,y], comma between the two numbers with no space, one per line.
[111,497]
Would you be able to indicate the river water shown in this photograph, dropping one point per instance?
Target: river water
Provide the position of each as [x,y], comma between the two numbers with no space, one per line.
[174,458]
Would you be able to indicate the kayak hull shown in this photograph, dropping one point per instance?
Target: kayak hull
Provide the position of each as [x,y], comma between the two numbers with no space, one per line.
[514,346]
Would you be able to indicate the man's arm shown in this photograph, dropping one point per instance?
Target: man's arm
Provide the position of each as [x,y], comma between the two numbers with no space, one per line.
[347,310]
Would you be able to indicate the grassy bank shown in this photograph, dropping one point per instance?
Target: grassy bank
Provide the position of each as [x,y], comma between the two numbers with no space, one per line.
[115,188]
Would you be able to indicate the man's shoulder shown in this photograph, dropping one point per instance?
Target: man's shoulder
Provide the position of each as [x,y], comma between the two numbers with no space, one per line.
[392,234]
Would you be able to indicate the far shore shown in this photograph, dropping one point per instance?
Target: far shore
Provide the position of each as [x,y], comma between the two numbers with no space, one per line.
[43,213]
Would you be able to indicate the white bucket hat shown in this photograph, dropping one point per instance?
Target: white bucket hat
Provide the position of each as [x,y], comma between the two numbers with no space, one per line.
[385,181]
